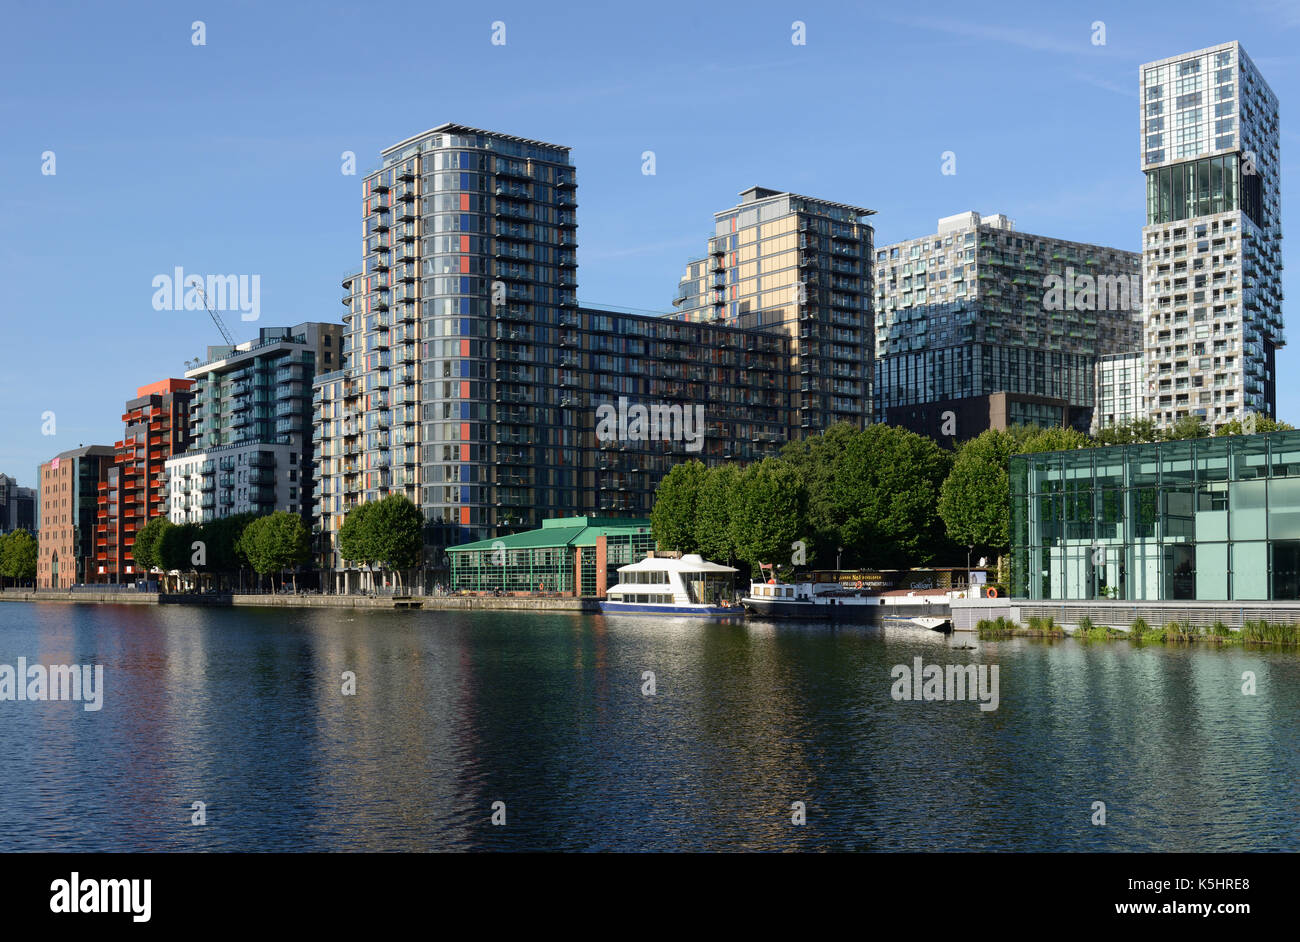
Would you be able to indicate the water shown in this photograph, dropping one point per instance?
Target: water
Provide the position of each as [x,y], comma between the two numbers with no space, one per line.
[242,709]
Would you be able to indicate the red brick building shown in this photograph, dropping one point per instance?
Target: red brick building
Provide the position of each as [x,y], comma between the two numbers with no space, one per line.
[68,485]
[134,489]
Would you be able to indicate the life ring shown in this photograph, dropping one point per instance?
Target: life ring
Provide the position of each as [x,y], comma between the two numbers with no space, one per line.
[858,584]
[993,593]
[771,582]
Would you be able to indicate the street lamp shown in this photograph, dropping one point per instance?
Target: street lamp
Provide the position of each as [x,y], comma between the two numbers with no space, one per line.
[838,550]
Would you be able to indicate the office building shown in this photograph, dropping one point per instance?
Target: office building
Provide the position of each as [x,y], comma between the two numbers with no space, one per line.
[250,426]
[982,326]
[1211,246]
[134,487]
[1207,519]
[70,500]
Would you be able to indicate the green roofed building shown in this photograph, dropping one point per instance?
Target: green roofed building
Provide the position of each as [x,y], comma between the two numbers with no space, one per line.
[569,555]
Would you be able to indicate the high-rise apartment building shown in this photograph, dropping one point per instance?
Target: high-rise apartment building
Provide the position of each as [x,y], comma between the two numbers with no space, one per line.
[726,390]
[250,426]
[134,488]
[475,385]
[459,224]
[70,499]
[1211,246]
[983,326]
[802,266]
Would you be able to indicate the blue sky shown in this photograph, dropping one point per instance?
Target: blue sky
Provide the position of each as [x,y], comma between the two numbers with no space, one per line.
[225,158]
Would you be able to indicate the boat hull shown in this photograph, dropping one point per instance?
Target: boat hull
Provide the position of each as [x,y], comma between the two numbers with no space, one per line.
[869,612]
[706,611]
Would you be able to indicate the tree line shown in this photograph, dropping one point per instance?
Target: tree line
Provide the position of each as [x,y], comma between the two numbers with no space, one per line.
[881,497]
[217,551]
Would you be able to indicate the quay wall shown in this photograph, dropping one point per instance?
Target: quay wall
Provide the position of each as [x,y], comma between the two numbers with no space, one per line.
[967,612]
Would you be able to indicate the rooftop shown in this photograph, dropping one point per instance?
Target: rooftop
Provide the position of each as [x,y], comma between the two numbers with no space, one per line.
[759,194]
[466,129]
[560,531]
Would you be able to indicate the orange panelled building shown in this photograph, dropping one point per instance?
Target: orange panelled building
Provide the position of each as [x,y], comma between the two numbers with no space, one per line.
[134,489]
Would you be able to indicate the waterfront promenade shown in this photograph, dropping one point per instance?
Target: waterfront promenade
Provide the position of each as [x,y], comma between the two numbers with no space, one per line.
[426,602]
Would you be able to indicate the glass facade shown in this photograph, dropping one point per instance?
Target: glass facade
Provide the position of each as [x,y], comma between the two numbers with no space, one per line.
[1206,519]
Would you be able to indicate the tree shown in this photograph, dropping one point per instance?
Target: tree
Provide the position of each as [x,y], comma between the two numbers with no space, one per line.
[768,508]
[18,553]
[220,538]
[672,519]
[816,458]
[145,548]
[1262,425]
[175,547]
[885,494]
[974,499]
[1189,426]
[395,533]
[275,543]
[1137,432]
[354,537]
[713,514]
[1054,438]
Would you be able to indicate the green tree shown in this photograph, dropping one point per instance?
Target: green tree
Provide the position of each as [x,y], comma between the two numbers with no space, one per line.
[220,538]
[1189,426]
[975,498]
[145,548]
[768,513]
[354,537]
[1262,425]
[713,514]
[1054,438]
[174,549]
[885,496]
[18,553]
[275,543]
[672,519]
[396,533]
[817,459]
[1137,432]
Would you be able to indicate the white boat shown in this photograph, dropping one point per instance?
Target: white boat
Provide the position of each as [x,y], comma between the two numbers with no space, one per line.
[661,585]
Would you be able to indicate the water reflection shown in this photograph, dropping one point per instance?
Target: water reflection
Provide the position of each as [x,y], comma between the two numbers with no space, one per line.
[245,711]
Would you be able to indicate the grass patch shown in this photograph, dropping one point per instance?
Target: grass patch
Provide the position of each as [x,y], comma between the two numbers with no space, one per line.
[1262,632]
[991,630]
[1087,631]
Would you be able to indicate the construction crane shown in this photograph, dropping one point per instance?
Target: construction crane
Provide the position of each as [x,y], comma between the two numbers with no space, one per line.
[216,318]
